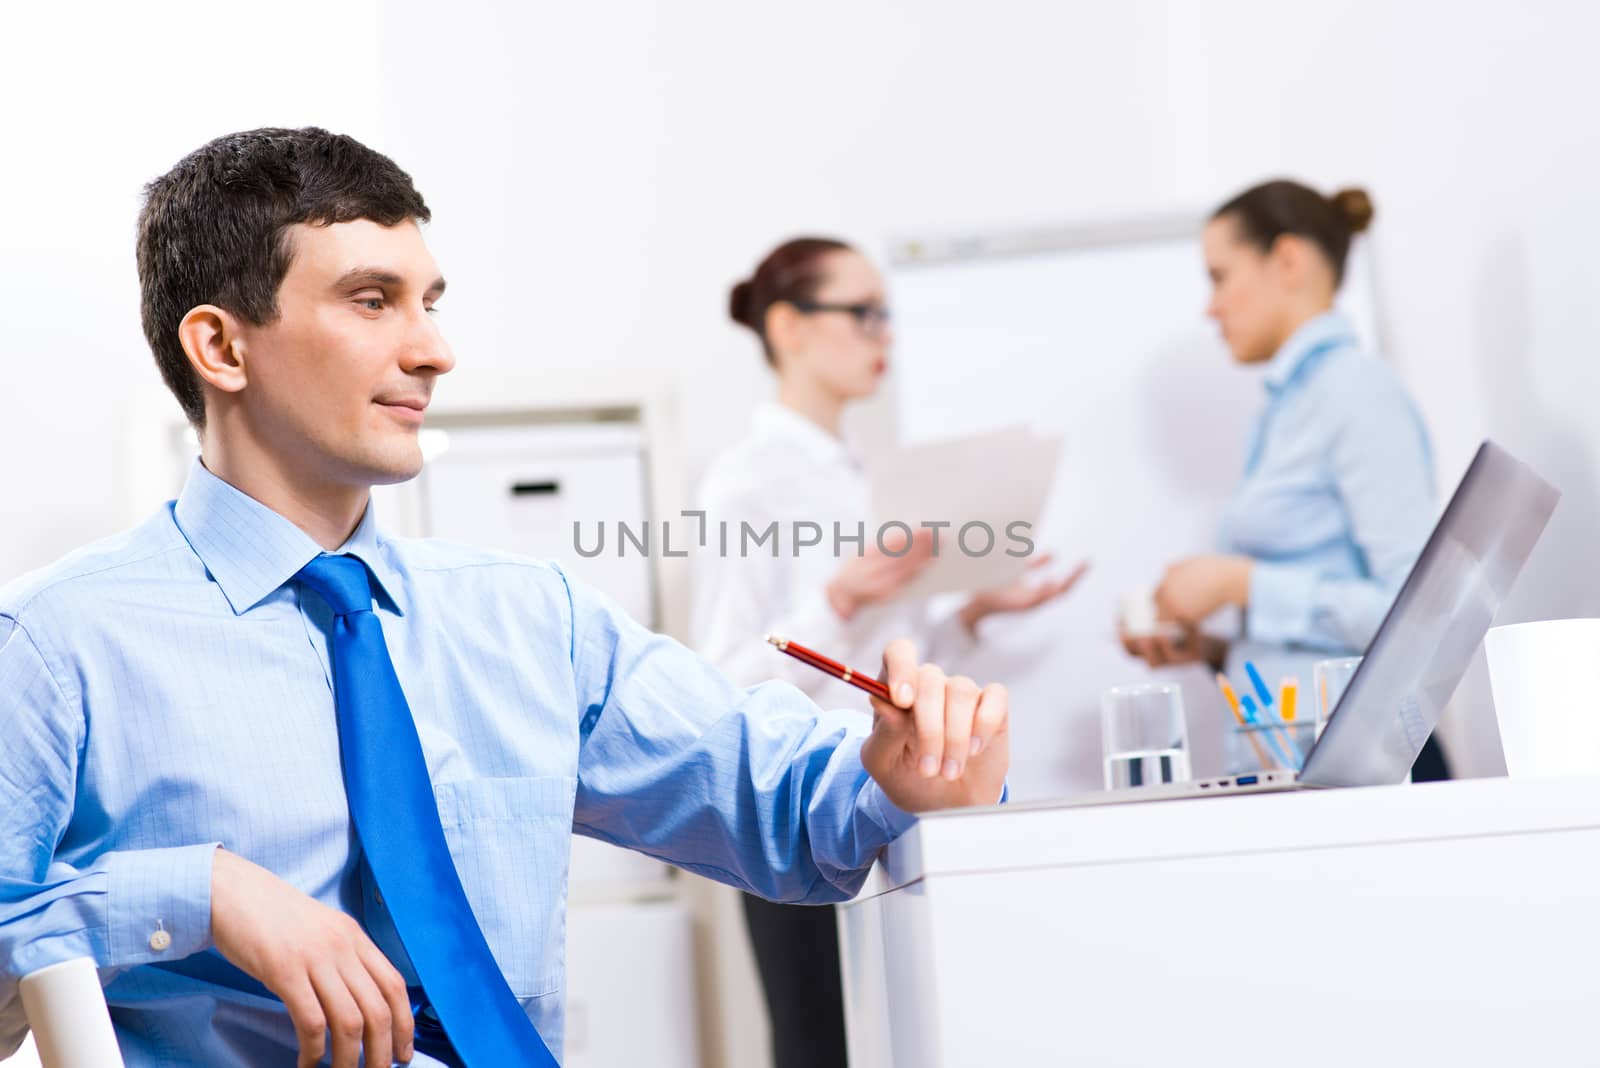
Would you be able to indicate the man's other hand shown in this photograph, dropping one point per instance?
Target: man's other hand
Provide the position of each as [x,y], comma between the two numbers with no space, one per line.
[317,960]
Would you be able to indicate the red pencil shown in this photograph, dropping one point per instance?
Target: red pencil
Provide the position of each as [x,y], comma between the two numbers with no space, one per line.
[832,667]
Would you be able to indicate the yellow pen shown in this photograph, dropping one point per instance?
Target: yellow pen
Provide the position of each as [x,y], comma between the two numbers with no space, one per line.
[1238,714]
[1291,689]
[1233,698]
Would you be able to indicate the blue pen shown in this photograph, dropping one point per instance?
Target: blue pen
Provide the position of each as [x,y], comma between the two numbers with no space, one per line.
[1248,705]
[1259,683]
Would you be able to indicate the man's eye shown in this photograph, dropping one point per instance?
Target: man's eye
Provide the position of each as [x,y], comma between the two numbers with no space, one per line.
[372,303]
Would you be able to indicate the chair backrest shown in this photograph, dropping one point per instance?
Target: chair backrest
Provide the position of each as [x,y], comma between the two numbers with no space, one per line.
[66,1010]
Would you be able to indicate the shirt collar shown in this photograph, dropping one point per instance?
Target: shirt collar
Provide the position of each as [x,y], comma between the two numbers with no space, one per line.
[778,421]
[251,551]
[1322,332]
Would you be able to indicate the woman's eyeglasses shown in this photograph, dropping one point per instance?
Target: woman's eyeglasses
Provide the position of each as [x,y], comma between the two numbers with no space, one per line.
[873,319]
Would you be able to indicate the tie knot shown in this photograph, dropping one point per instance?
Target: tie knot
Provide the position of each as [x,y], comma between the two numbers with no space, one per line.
[339,580]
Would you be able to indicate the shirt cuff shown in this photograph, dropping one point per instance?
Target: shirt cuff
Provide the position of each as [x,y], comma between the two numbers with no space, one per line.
[1280,603]
[158,904]
[888,815]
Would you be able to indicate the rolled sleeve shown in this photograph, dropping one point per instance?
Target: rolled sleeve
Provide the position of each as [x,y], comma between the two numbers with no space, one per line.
[1281,606]
[894,820]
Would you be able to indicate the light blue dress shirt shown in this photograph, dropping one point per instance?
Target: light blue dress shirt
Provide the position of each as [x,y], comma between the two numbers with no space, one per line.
[1336,502]
[169,689]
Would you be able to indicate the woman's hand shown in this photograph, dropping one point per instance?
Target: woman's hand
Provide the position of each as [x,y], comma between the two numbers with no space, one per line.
[1186,646]
[1192,589]
[877,575]
[1018,596]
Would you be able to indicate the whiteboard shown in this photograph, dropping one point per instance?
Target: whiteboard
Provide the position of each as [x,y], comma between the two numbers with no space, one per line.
[1097,334]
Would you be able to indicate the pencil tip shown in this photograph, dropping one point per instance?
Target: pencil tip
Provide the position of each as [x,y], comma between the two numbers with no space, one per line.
[774,640]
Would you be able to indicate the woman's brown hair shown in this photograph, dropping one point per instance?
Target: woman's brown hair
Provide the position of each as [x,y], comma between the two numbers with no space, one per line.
[793,271]
[1266,212]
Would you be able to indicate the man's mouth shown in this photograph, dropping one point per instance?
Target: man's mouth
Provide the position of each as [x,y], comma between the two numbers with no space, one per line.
[410,409]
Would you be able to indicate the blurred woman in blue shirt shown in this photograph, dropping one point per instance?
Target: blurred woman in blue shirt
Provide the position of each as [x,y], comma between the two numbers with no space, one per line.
[1337,494]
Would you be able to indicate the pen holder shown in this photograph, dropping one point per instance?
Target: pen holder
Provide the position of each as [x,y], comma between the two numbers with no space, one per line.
[1265,746]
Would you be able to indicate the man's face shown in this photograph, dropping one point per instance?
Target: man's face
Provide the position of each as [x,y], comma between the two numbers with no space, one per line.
[339,382]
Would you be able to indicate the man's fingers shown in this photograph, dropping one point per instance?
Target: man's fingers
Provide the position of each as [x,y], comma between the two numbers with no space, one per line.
[310,1025]
[929,712]
[377,1019]
[339,1008]
[892,727]
[991,718]
[900,671]
[960,705]
[393,988]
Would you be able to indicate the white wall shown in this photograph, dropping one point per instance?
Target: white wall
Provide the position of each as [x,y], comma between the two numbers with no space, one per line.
[1466,123]
[600,174]
[100,98]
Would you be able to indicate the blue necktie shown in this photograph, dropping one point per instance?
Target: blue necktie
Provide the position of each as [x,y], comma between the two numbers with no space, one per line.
[397,821]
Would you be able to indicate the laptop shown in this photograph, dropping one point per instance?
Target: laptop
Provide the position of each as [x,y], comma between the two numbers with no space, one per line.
[1426,642]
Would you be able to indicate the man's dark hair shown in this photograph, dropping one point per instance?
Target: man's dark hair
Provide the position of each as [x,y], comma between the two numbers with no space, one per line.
[214,229]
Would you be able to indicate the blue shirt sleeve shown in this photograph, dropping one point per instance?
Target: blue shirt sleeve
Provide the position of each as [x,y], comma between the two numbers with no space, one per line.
[757,787]
[1380,464]
[49,910]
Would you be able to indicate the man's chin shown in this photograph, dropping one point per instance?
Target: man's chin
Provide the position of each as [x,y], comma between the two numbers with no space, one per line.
[393,476]
[400,463]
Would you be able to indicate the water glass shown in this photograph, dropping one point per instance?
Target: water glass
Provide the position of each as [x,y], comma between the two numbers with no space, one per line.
[1329,679]
[1144,736]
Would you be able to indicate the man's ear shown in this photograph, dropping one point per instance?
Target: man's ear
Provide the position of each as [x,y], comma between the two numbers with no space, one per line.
[213,339]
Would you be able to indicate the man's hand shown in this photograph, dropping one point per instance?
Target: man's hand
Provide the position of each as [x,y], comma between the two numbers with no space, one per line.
[317,960]
[943,743]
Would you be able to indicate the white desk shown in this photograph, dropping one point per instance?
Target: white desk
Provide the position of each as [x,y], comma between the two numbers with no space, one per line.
[1451,923]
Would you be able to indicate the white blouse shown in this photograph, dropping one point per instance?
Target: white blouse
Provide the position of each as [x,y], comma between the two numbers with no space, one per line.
[790,471]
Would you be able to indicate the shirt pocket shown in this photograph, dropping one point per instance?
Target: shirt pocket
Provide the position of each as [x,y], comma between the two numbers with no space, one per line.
[511,840]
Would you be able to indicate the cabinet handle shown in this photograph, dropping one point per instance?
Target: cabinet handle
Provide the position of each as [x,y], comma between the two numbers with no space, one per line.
[531,489]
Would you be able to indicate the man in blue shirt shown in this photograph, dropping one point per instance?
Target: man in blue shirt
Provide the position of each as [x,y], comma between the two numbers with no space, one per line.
[259,757]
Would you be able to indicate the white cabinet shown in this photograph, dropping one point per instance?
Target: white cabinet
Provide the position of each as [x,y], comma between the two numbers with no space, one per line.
[542,489]
[1444,924]
[630,987]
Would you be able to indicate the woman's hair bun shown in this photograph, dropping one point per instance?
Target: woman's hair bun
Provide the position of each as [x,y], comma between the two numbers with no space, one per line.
[1355,206]
[739,304]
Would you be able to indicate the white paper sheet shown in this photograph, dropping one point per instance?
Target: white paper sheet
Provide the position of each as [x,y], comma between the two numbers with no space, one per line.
[977,484]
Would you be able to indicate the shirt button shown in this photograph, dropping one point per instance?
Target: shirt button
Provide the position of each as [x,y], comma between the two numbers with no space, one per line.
[160,941]
[377,895]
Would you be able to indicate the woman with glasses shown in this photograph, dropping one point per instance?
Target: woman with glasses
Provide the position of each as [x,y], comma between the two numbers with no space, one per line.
[818,308]
[1336,500]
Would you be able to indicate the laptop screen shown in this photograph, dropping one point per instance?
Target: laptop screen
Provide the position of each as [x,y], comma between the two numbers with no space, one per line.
[1435,625]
